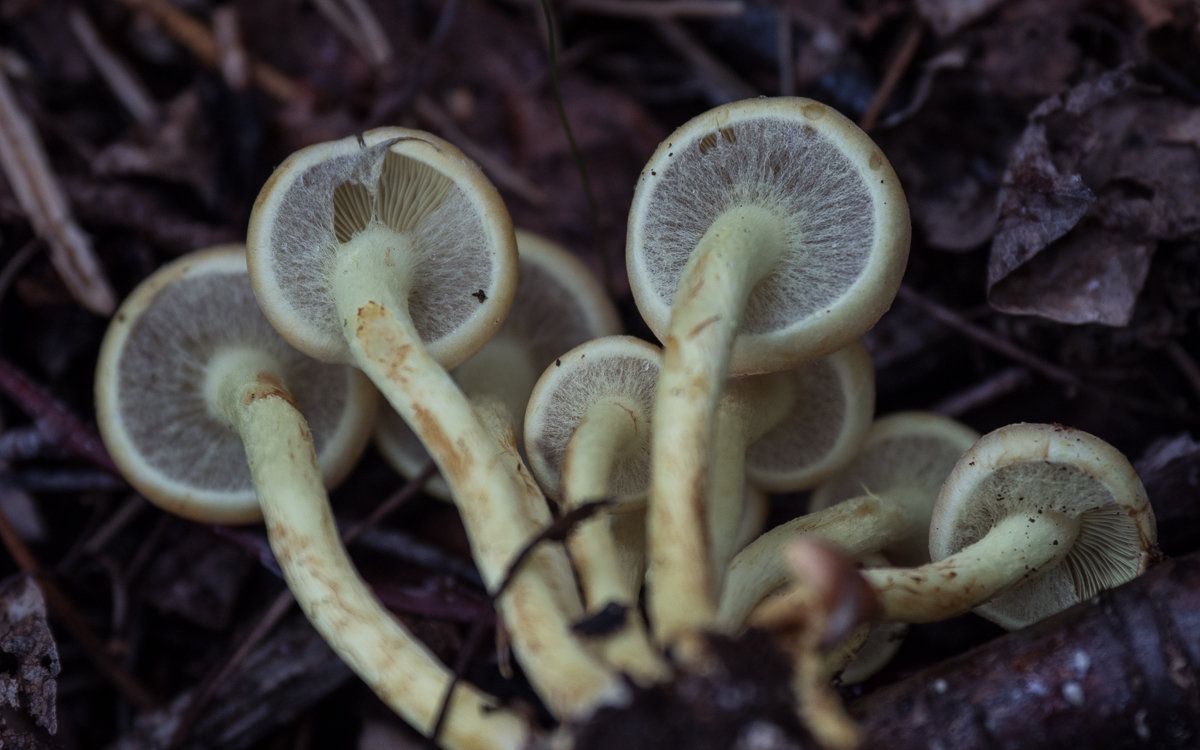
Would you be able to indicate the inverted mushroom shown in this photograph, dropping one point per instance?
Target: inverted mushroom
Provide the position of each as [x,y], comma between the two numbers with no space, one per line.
[784,198]
[391,250]
[587,437]
[202,406]
[1033,519]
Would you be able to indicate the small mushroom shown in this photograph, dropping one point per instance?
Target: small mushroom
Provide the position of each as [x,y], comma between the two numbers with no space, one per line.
[391,250]
[763,234]
[881,501]
[587,436]
[202,406]
[785,432]
[559,304]
[1033,519]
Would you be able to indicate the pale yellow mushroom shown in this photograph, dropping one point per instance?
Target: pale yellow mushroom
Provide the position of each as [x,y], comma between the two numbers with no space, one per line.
[392,251]
[587,437]
[762,234]
[1033,519]
[202,406]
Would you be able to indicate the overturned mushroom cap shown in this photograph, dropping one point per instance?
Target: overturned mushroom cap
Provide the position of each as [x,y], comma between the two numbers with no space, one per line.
[1031,469]
[559,304]
[825,426]
[843,213]
[621,368]
[905,459]
[153,377]
[399,181]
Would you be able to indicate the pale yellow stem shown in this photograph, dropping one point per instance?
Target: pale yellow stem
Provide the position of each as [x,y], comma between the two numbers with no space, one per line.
[1016,548]
[859,527]
[734,255]
[295,506]
[607,429]
[388,348]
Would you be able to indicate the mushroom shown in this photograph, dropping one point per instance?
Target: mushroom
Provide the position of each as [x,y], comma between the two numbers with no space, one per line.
[559,304]
[587,437]
[881,502]
[785,432]
[785,232]
[202,406]
[1033,519]
[391,250]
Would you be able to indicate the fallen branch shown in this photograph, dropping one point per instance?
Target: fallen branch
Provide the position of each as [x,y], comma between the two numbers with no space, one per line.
[1118,671]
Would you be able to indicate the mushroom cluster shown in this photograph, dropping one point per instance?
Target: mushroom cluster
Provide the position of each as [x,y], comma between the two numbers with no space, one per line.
[765,238]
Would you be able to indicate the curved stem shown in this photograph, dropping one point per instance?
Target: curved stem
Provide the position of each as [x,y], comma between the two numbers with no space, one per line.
[859,526]
[386,345]
[396,666]
[1014,549]
[606,429]
[735,253]
[550,560]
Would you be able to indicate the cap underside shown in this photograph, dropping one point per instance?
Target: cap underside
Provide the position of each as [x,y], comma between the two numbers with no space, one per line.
[830,418]
[157,421]
[905,459]
[617,367]
[840,205]
[407,183]
[1108,550]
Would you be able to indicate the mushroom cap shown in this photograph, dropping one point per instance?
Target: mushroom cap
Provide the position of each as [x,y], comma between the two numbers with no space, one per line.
[150,389]
[906,458]
[1033,468]
[825,427]
[464,257]
[559,304]
[620,367]
[839,200]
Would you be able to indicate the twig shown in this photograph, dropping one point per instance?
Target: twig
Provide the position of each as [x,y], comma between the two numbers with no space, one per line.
[15,265]
[720,84]
[496,167]
[120,79]
[53,417]
[361,28]
[193,35]
[390,105]
[1004,382]
[895,71]
[233,62]
[398,498]
[72,620]
[41,198]
[660,8]
[1046,369]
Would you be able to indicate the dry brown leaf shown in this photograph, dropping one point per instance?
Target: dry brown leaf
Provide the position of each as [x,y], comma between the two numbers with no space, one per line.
[1096,180]
[29,661]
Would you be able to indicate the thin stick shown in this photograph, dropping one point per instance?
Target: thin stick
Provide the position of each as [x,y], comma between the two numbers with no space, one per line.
[1187,366]
[660,8]
[719,82]
[23,161]
[193,35]
[1004,382]
[124,85]
[73,621]
[895,71]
